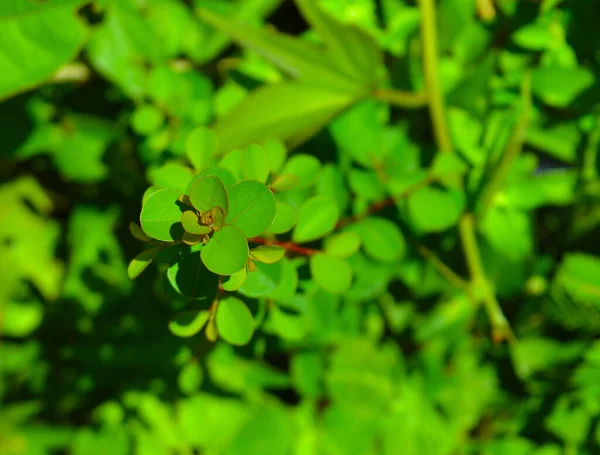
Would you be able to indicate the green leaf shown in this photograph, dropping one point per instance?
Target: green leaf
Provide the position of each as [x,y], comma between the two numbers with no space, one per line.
[234,321]
[252,207]
[188,323]
[382,239]
[269,254]
[191,223]
[201,147]
[235,281]
[302,60]
[209,192]
[331,273]
[171,175]
[190,378]
[354,52]
[255,163]
[305,167]
[285,218]
[331,184]
[263,281]
[558,86]
[189,276]
[277,153]
[342,245]
[285,182]
[317,218]
[227,251]
[147,119]
[434,209]
[161,215]
[289,110]
[33,48]
[137,232]
[139,263]
[221,173]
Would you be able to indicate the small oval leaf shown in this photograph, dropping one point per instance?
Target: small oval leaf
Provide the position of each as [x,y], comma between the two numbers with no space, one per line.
[252,207]
[234,321]
[141,262]
[269,254]
[226,252]
[161,215]
[208,192]
[317,218]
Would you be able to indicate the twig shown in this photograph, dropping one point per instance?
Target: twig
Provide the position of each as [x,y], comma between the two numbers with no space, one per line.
[512,151]
[483,290]
[450,275]
[437,106]
[402,99]
[380,205]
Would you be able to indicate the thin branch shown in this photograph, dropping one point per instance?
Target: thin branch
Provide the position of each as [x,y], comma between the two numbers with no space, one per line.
[483,290]
[512,151]
[401,99]
[450,275]
[437,106]
[390,201]
[290,246]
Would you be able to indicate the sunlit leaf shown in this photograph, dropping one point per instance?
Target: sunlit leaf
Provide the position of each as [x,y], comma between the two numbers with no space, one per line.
[234,321]
[252,207]
[226,252]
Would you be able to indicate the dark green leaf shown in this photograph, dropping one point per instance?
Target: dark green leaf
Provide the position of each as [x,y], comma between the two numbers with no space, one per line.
[189,276]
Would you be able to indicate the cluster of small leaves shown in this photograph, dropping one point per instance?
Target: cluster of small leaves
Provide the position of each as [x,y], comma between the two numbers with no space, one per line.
[393,207]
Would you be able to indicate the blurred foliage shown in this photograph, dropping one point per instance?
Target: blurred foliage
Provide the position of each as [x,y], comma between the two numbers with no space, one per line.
[420,274]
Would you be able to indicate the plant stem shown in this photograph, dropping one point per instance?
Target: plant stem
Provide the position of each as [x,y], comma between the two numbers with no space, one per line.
[437,107]
[512,151]
[450,275]
[290,246]
[399,98]
[482,289]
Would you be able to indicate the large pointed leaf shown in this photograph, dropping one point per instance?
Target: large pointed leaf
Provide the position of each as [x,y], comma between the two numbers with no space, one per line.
[290,111]
[351,50]
[37,39]
[300,59]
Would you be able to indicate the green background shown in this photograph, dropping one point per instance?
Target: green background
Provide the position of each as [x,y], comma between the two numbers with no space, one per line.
[436,176]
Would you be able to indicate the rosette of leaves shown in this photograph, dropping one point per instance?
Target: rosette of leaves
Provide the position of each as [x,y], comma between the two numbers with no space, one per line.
[207,231]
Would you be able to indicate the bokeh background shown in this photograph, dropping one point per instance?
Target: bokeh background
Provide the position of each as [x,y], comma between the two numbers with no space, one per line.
[98,98]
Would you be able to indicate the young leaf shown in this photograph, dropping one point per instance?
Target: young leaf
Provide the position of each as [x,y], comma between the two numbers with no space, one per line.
[235,281]
[226,252]
[288,110]
[331,273]
[285,218]
[234,321]
[191,223]
[201,147]
[188,323]
[161,215]
[141,262]
[189,276]
[252,207]
[317,218]
[382,239]
[342,245]
[255,163]
[269,254]
[208,192]
[285,182]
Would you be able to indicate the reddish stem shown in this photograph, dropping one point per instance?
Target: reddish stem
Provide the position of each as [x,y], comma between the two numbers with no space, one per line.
[290,246]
